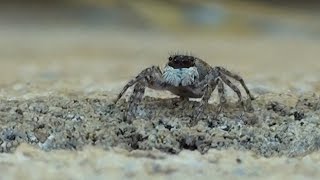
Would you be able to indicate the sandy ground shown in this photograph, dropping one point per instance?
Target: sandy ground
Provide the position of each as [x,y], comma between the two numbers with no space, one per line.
[57,90]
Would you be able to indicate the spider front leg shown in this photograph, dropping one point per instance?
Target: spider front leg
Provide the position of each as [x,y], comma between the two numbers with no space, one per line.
[148,74]
[149,77]
[212,82]
[135,99]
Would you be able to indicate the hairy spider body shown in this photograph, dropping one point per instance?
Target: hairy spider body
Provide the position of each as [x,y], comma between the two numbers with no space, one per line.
[185,76]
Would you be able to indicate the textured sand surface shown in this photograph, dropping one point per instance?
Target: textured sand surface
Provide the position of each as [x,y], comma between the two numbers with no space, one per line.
[94,163]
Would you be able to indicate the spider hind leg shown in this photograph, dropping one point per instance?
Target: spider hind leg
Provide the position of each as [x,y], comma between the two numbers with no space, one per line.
[236,77]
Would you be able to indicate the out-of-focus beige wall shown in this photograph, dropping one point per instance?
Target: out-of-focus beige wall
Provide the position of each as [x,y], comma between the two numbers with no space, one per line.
[220,17]
[96,42]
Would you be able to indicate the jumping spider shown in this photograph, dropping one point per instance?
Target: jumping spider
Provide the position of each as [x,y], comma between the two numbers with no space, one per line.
[186,76]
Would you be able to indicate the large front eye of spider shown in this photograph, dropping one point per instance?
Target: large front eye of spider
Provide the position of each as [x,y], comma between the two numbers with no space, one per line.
[188,62]
[185,63]
[174,62]
[174,59]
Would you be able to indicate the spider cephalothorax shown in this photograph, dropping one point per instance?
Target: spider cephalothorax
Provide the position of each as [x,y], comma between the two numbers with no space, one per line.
[181,61]
[186,76]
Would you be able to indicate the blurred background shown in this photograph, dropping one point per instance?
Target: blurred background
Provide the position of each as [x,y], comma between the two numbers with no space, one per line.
[97,45]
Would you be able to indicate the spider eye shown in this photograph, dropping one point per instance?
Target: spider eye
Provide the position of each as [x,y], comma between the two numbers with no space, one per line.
[188,63]
[170,58]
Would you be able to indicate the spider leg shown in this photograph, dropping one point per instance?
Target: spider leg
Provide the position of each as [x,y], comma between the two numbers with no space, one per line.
[217,82]
[222,96]
[149,77]
[236,77]
[135,99]
[233,87]
[126,87]
[143,74]
[209,88]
